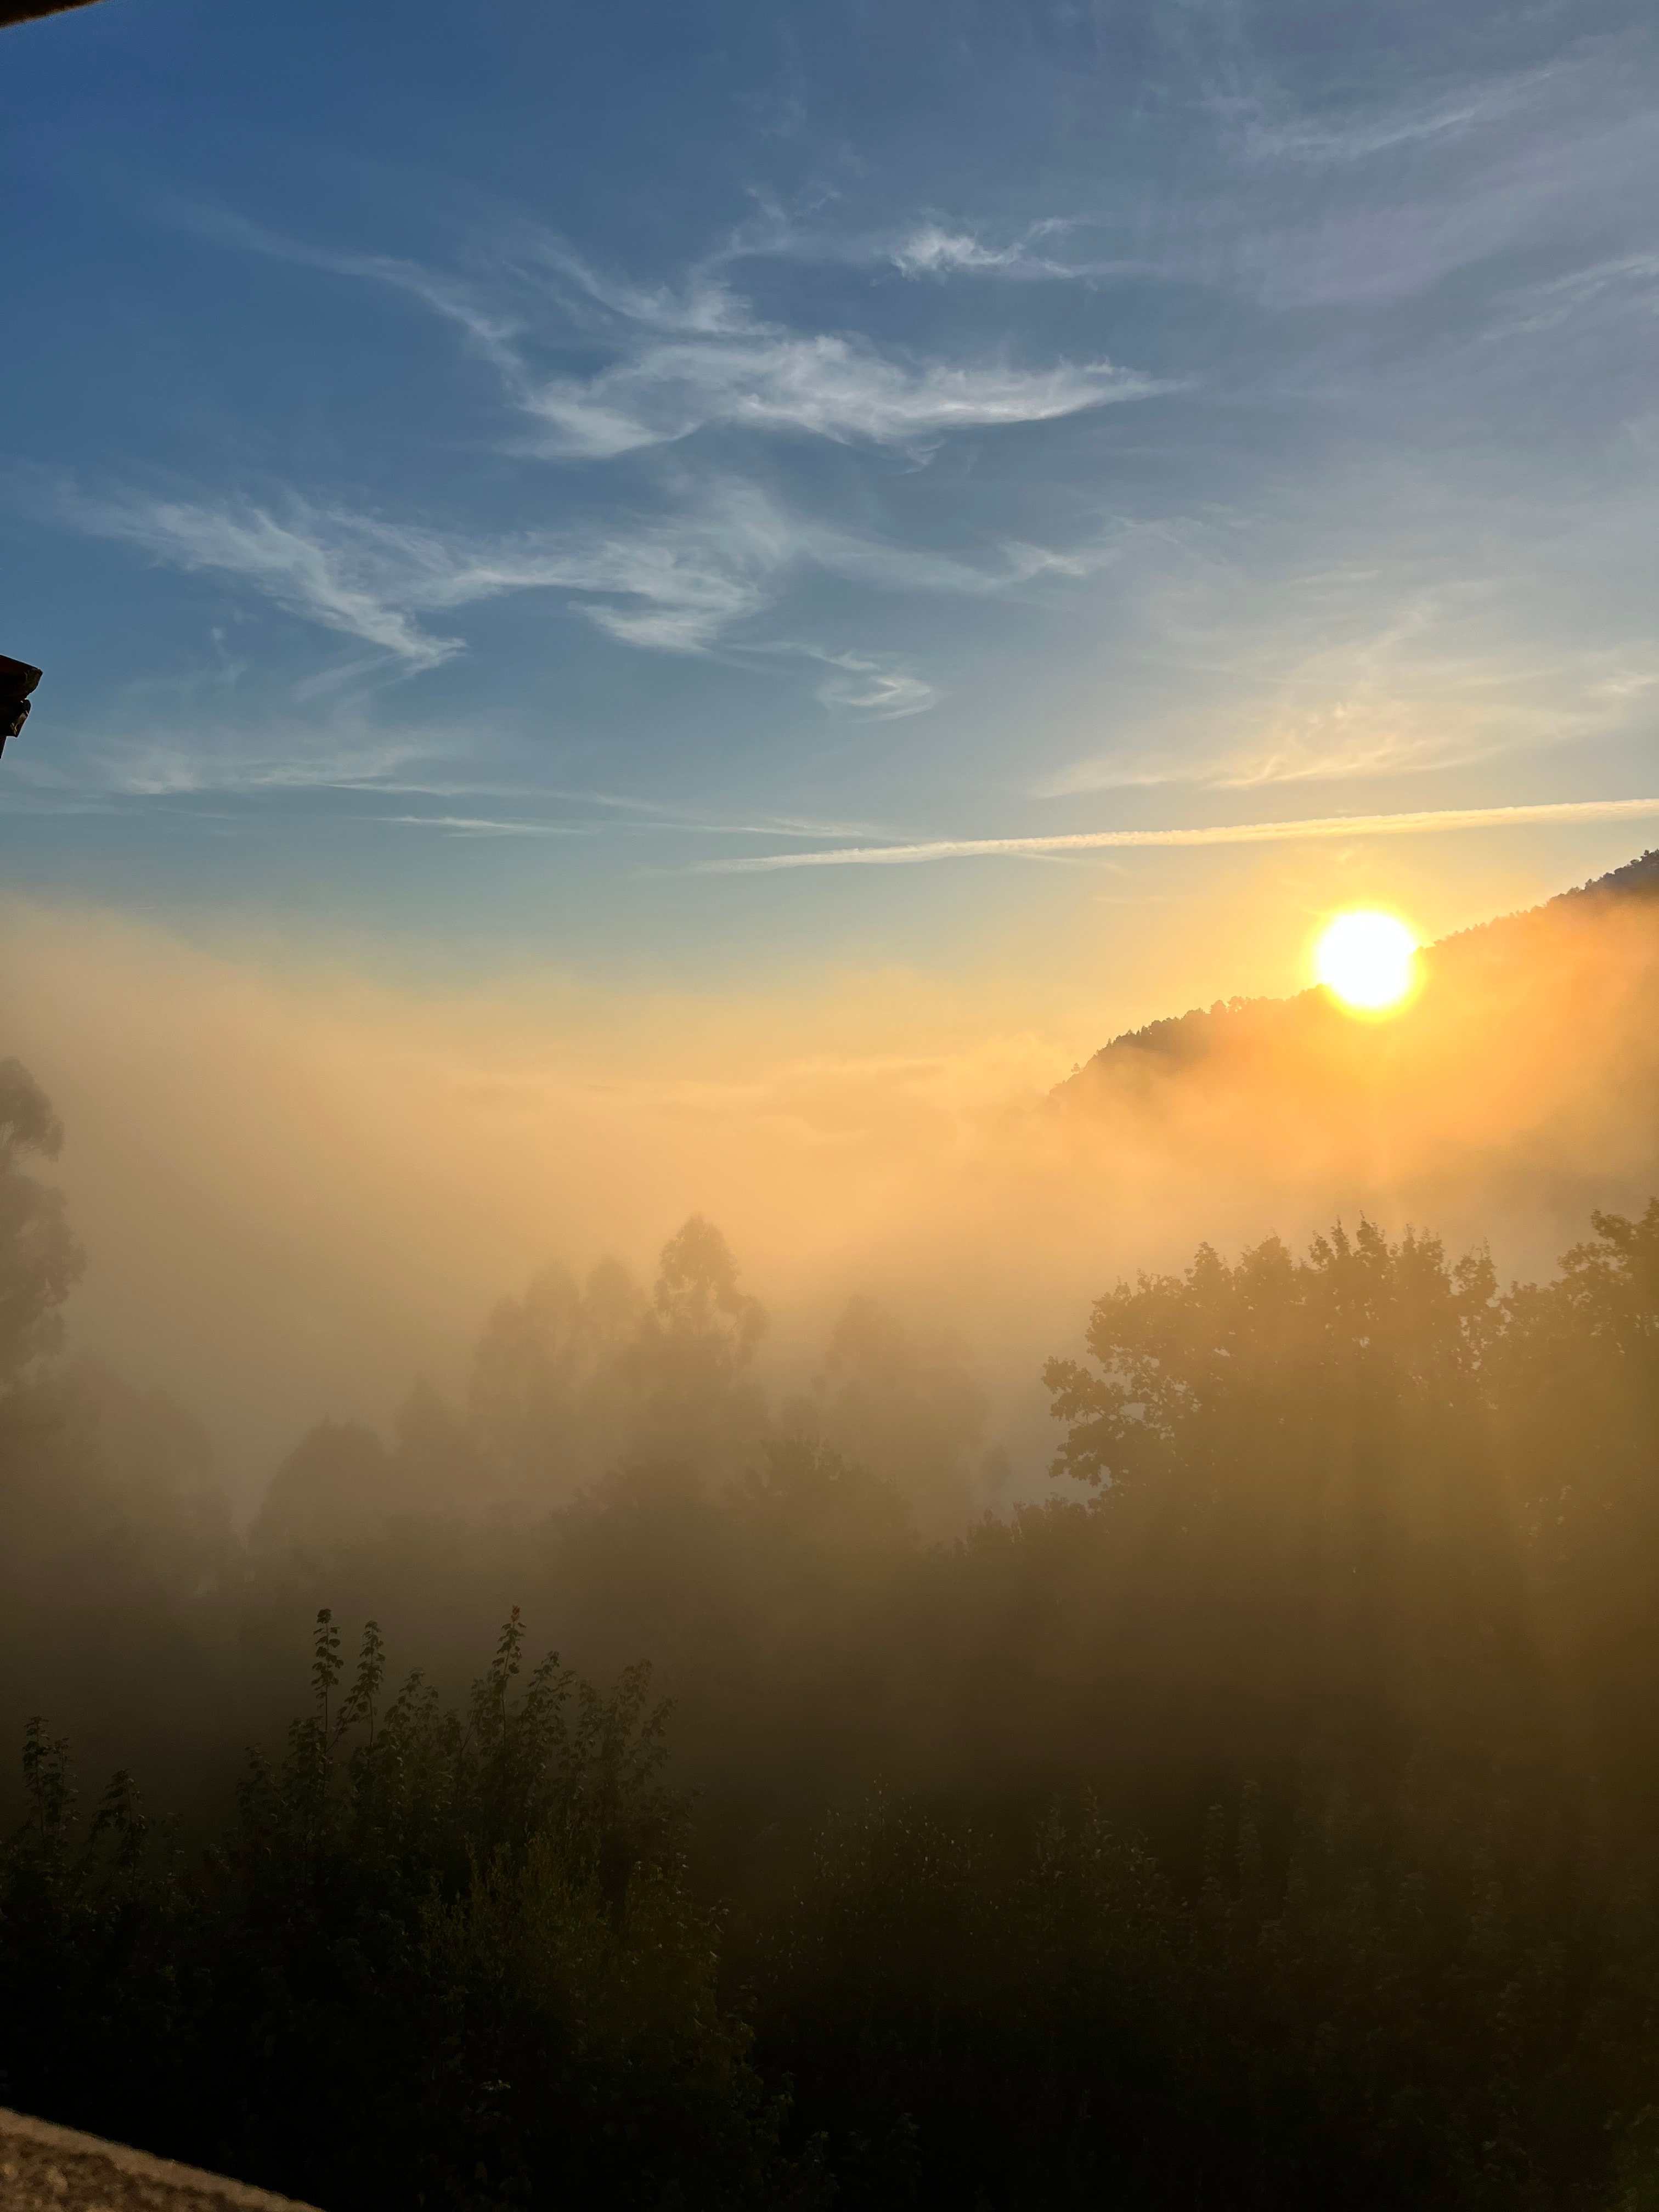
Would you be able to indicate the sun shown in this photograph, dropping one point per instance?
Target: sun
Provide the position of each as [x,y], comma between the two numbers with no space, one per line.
[1368,961]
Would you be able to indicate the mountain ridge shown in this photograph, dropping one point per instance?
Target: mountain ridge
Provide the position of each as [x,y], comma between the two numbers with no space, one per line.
[1177,1040]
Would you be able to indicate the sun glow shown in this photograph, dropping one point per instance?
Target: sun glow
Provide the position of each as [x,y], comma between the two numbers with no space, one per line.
[1368,961]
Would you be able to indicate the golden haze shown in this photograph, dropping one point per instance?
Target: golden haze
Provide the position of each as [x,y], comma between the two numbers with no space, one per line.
[298,1189]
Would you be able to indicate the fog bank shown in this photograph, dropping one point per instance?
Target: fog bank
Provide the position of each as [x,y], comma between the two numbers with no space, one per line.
[300,1189]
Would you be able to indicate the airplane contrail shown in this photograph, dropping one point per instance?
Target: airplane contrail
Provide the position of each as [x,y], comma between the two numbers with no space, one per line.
[1239,833]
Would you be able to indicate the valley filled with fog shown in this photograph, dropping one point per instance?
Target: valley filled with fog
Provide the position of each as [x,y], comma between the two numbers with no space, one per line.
[1059,1598]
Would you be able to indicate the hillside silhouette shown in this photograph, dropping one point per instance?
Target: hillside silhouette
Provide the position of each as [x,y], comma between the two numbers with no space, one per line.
[1205,1033]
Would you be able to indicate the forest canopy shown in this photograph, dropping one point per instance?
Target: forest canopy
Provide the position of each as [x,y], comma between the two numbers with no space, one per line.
[1266,1818]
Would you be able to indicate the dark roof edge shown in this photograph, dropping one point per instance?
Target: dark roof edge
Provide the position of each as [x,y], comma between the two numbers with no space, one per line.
[29,11]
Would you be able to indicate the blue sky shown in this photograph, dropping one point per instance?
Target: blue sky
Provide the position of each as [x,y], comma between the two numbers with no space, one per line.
[480,479]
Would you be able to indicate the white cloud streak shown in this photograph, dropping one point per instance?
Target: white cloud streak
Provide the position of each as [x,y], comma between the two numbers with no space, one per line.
[677,584]
[874,690]
[931,246]
[837,388]
[673,586]
[475,825]
[167,768]
[1627,285]
[335,568]
[1524,168]
[1431,821]
[932,249]
[1408,195]
[1362,138]
[694,356]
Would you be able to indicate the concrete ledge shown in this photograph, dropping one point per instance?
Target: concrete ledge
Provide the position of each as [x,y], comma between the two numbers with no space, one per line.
[49,2169]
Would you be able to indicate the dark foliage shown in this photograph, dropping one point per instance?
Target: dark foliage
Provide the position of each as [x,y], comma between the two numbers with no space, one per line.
[456,1964]
[1267,1822]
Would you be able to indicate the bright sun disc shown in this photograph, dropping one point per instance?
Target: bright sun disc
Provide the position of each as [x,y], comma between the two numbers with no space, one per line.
[1368,960]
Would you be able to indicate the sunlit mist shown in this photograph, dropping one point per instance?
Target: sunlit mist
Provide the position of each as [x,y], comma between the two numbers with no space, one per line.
[1368,961]
[829,1107]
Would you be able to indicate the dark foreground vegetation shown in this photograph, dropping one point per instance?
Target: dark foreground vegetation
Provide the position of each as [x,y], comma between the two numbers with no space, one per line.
[1269,1820]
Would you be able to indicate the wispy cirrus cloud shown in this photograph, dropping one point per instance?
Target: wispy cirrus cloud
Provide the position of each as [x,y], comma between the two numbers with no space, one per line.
[253,749]
[873,687]
[694,355]
[676,583]
[363,578]
[477,825]
[1410,192]
[1625,285]
[932,249]
[1338,719]
[831,388]
[492,326]
[672,585]
[1425,823]
[1537,162]
[1365,134]
[932,246]
[940,249]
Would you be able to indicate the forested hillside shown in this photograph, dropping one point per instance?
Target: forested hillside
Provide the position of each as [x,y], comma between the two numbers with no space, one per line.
[1181,1040]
